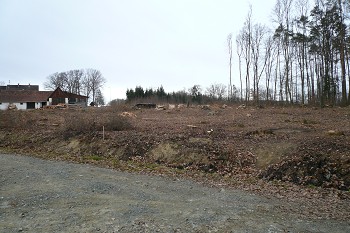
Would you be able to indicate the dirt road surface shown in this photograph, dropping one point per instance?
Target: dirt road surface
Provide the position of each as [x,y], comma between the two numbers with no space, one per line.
[49,196]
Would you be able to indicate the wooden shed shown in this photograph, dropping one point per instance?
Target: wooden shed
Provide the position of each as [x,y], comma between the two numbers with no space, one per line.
[63,97]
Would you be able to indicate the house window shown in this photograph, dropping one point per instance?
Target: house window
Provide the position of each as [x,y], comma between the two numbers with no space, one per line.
[21,103]
[0,103]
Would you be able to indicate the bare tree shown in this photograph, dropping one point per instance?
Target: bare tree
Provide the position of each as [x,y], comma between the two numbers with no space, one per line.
[342,51]
[282,12]
[86,87]
[300,39]
[246,34]
[56,80]
[270,53]
[217,91]
[258,34]
[229,43]
[74,80]
[239,45]
[307,58]
[94,81]
[86,82]
[77,80]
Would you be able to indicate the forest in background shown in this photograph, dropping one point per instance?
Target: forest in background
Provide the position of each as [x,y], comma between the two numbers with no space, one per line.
[303,59]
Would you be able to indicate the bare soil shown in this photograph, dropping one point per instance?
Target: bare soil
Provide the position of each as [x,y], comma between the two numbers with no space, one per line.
[295,154]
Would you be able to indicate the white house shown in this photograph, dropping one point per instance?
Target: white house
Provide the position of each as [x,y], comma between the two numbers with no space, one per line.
[23,99]
[26,97]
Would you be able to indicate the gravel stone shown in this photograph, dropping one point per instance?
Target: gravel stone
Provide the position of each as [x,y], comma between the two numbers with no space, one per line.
[50,196]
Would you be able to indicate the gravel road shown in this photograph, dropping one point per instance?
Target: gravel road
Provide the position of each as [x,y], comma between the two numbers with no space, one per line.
[49,196]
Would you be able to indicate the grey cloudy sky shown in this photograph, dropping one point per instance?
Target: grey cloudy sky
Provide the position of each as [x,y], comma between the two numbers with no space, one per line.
[174,43]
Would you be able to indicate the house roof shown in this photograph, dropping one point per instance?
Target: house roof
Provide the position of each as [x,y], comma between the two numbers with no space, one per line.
[17,96]
[58,93]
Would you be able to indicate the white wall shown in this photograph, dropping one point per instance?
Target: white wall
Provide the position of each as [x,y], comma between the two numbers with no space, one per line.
[4,106]
[38,105]
[20,106]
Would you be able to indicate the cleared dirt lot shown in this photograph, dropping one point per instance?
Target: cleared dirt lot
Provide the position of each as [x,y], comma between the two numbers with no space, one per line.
[305,146]
[49,196]
[298,157]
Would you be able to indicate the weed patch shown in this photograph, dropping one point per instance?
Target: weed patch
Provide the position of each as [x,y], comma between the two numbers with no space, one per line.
[94,157]
[77,123]
[117,123]
[17,120]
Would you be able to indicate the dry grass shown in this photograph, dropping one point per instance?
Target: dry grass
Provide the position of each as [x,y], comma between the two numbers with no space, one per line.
[13,119]
[82,122]
[272,153]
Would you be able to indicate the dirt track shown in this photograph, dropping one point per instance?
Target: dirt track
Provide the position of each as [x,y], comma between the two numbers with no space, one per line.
[49,196]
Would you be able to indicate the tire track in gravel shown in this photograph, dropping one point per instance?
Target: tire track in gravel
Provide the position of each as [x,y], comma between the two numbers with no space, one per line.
[52,196]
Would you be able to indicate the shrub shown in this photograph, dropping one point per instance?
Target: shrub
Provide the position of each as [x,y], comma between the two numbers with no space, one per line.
[79,123]
[115,108]
[89,122]
[117,123]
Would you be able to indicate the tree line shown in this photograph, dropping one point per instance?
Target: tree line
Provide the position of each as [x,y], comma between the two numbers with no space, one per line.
[303,59]
[87,82]
[195,94]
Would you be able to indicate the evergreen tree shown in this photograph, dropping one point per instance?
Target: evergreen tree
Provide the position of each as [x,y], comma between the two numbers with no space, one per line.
[99,99]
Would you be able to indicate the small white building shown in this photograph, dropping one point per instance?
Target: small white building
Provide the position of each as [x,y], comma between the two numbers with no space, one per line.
[23,99]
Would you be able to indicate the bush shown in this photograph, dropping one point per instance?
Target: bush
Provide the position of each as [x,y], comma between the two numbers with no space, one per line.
[117,123]
[119,108]
[89,122]
[80,123]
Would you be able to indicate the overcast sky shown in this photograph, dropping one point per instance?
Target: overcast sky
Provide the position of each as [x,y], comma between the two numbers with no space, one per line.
[174,43]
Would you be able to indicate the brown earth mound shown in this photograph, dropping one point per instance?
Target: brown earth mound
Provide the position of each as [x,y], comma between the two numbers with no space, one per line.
[319,163]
